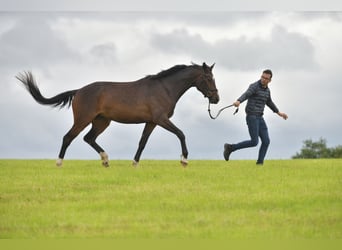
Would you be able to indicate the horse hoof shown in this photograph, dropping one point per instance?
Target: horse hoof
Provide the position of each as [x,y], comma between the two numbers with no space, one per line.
[59,162]
[184,164]
[184,161]
[104,158]
[135,163]
[105,164]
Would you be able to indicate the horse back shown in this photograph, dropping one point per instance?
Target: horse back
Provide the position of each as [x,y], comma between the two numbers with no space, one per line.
[130,102]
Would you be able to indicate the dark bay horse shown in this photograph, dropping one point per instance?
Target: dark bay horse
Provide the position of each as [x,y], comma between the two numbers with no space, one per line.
[150,100]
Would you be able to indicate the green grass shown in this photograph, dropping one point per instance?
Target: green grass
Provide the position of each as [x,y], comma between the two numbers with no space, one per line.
[285,199]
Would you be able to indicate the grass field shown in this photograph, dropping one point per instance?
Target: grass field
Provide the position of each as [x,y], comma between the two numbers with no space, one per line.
[285,199]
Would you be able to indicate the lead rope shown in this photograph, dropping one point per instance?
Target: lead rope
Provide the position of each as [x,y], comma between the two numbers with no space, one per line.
[219,112]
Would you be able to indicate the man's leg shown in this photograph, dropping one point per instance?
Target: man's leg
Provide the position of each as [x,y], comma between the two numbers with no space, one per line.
[265,141]
[253,128]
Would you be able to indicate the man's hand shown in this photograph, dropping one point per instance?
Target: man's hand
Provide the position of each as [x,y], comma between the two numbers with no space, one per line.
[283,115]
[236,104]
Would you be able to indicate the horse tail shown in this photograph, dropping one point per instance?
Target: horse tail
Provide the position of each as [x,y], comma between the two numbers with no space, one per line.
[62,100]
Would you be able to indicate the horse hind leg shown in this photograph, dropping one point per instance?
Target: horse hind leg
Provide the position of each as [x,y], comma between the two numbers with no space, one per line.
[99,124]
[67,139]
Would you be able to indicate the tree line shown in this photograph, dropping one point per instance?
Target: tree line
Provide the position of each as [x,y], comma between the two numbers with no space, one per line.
[318,149]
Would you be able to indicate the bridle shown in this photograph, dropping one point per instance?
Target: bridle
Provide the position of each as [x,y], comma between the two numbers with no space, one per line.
[210,92]
[219,112]
[208,95]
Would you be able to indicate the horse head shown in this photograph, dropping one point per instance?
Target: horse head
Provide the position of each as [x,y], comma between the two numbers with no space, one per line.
[205,83]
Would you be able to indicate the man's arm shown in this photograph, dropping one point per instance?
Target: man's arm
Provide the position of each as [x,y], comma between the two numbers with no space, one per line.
[250,91]
[274,108]
[271,105]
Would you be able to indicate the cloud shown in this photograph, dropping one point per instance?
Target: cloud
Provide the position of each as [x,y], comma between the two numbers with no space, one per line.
[282,50]
[105,53]
[31,41]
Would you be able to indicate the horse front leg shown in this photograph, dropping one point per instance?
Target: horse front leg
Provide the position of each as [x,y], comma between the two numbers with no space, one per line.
[143,140]
[168,125]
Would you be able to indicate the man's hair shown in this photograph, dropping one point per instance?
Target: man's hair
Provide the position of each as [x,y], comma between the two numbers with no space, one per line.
[268,72]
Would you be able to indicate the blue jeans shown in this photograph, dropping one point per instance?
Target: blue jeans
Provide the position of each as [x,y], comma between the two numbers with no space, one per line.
[257,128]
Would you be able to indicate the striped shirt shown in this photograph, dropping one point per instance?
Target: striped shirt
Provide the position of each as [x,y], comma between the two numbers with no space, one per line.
[257,97]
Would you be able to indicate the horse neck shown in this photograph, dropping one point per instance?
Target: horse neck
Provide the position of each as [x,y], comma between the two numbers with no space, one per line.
[179,83]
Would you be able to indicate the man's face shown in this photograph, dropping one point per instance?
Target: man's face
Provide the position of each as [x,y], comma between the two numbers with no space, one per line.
[265,79]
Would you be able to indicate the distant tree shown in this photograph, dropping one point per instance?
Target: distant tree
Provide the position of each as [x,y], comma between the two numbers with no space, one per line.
[337,152]
[318,149]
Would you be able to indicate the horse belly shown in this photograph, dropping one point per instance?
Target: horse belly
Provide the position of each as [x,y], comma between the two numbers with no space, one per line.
[129,104]
[128,113]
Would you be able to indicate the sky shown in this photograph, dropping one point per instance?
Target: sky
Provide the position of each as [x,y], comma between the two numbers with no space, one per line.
[69,48]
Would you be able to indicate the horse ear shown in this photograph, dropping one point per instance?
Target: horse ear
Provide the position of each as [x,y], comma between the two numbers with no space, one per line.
[205,66]
[212,66]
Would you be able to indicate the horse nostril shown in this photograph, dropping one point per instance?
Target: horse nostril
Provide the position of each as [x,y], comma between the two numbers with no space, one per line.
[214,99]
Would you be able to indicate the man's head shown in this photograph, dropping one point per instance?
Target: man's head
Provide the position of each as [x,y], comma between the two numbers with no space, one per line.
[266,77]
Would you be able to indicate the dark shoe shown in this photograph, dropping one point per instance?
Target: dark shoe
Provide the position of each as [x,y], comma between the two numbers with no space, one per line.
[259,163]
[228,149]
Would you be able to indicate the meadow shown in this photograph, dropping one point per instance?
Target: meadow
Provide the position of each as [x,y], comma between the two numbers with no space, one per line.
[210,199]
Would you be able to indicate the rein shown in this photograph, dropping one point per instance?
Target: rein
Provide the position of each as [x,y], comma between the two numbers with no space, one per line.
[219,112]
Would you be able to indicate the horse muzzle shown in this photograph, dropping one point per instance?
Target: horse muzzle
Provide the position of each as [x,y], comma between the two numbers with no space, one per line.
[214,99]
[213,96]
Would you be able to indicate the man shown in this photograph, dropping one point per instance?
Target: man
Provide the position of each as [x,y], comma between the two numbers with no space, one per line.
[258,95]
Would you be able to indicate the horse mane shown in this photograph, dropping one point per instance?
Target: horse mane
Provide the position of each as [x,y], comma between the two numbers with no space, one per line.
[167,72]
